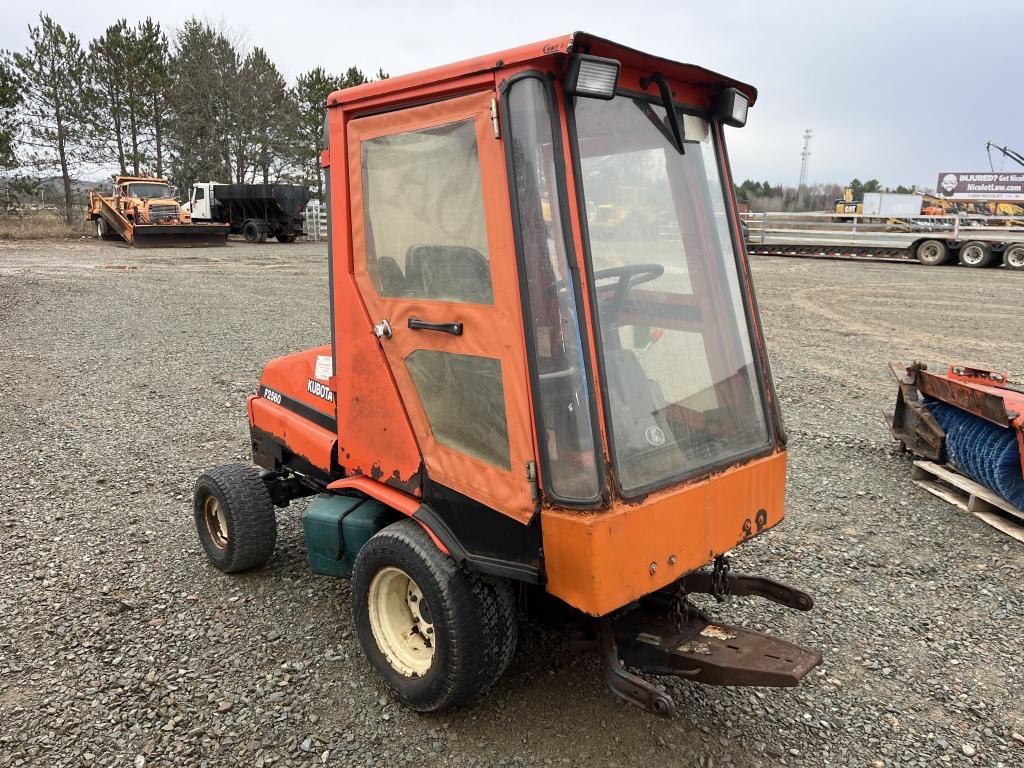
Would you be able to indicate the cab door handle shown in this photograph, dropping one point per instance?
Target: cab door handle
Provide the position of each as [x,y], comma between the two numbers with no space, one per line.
[455,329]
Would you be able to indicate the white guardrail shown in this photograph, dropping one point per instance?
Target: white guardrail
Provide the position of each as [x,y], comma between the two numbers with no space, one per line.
[314,222]
[845,229]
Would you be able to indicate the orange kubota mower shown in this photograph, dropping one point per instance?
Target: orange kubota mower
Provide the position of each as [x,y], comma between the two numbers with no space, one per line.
[513,413]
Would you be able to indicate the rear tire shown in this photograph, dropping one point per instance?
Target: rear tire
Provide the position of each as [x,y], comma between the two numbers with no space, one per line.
[250,232]
[932,253]
[1013,256]
[437,635]
[976,254]
[234,517]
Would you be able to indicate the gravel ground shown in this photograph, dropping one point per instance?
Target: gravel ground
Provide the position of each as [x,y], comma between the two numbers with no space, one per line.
[120,645]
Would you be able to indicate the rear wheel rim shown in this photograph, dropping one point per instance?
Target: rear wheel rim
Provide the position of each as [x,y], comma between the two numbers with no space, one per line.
[973,255]
[931,252]
[1015,257]
[216,522]
[400,621]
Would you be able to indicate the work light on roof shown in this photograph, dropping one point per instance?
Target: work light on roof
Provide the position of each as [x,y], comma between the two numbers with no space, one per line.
[730,106]
[592,76]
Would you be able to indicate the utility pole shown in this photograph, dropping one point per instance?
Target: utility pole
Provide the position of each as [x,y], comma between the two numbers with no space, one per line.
[806,153]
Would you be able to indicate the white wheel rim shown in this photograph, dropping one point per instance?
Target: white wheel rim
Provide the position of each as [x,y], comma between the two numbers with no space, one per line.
[932,252]
[400,622]
[973,254]
[1015,258]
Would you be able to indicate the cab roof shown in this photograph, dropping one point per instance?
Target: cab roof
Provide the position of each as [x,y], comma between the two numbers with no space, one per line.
[131,179]
[577,42]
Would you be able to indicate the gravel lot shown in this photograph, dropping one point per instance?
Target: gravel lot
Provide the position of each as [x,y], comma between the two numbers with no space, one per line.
[120,646]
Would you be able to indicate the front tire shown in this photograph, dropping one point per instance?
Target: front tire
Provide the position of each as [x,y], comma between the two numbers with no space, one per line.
[234,517]
[251,232]
[437,635]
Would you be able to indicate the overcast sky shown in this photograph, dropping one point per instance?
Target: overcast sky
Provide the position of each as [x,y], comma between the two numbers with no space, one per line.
[896,91]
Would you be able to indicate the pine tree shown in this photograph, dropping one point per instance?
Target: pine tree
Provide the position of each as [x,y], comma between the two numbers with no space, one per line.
[266,113]
[203,104]
[108,55]
[10,100]
[153,83]
[58,103]
[311,91]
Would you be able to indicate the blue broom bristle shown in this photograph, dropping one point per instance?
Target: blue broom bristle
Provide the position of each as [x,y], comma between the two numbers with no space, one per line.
[984,452]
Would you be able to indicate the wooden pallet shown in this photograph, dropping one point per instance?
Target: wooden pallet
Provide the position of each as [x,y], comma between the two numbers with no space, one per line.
[972,497]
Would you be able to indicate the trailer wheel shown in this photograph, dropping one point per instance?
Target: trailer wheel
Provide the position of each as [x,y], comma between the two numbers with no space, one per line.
[251,232]
[1013,256]
[932,253]
[437,635]
[234,517]
[975,254]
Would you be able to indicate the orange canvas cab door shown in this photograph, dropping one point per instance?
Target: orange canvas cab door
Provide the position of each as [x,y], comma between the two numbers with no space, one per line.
[435,263]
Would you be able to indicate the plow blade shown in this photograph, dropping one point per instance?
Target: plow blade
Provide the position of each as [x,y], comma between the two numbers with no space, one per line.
[178,235]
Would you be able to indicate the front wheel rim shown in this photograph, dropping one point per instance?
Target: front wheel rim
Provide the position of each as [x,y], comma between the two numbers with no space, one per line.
[931,252]
[400,621]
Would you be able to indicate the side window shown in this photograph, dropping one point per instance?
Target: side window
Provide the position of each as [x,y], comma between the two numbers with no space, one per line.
[464,400]
[423,210]
[200,193]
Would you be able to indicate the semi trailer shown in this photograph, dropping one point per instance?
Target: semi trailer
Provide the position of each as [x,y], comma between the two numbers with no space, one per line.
[970,240]
[255,211]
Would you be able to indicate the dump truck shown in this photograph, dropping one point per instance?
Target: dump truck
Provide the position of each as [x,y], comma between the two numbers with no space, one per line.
[255,211]
[512,414]
[143,211]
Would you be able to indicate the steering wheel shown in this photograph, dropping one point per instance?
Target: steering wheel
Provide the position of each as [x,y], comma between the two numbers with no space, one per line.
[628,275]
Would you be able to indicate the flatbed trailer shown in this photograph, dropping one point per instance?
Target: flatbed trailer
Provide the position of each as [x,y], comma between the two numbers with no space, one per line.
[113,223]
[973,241]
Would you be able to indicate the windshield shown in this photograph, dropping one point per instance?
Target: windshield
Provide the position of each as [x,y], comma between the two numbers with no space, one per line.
[682,392]
[149,190]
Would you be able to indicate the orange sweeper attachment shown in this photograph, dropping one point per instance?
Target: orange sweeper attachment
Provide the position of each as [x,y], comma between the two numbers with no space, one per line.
[546,387]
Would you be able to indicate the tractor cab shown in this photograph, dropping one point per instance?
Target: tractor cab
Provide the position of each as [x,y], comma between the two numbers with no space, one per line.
[545,358]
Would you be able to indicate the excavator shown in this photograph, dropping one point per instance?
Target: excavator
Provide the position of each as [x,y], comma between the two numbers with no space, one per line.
[511,414]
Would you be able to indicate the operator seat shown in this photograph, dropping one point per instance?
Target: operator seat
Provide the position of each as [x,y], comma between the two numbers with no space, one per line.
[448,273]
[390,280]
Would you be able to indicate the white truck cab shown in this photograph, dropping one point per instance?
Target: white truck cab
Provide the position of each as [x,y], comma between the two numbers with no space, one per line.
[200,201]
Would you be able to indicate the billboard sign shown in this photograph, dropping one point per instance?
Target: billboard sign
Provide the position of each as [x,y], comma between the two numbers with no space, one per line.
[981,185]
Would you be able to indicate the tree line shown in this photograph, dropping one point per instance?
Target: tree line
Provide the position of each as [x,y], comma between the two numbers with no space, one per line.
[765,196]
[194,105]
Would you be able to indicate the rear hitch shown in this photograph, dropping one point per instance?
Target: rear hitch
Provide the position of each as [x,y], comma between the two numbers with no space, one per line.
[624,683]
[664,635]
